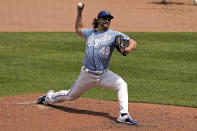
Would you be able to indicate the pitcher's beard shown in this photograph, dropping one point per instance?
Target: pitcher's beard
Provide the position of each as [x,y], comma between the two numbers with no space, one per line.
[105,26]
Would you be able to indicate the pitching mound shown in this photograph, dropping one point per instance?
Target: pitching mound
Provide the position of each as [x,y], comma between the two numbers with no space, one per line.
[21,113]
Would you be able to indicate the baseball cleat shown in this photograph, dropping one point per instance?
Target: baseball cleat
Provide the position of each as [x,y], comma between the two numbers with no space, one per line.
[125,118]
[42,100]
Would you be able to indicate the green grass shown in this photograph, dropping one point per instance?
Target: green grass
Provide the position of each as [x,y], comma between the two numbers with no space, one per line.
[163,68]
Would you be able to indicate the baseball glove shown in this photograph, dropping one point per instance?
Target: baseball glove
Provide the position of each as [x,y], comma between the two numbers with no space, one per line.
[120,44]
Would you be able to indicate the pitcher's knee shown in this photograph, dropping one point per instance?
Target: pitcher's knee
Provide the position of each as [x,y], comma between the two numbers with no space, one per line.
[120,83]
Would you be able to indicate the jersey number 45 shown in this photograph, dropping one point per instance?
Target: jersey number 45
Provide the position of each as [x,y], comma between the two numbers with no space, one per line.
[105,50]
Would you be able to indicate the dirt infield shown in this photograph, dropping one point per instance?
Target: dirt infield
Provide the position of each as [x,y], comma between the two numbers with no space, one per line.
[130,15]
[21,113]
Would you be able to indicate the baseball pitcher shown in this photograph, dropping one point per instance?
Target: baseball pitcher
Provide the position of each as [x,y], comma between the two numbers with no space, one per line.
[100,44]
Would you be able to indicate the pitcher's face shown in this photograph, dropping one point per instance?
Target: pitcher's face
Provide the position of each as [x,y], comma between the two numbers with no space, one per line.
[104,22]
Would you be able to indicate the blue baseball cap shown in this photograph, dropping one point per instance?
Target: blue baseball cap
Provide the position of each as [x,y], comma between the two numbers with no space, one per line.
[104,13]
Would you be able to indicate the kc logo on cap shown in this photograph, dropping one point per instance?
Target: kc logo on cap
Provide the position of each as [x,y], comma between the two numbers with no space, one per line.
[103,13]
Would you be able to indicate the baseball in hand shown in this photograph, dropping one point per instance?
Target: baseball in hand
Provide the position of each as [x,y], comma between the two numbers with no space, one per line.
[80,5]
[195,2]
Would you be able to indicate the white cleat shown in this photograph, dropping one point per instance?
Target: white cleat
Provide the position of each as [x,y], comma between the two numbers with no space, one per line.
[42,100]
[125,118]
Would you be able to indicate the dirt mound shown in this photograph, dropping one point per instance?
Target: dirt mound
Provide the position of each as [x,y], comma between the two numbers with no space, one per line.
[21,113]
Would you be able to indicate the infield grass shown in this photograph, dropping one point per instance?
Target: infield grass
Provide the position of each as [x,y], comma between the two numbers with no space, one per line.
[163,68]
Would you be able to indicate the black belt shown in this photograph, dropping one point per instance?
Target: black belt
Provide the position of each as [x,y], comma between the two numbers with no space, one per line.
[94,72]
